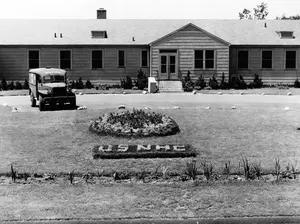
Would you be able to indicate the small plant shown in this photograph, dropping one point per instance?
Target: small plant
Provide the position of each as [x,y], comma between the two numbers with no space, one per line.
[4,84]
[13,173]
[246,167]
[165,172]
[213,82]
[126,83]
[187,83]
[223,84]
[142,80]
[116,176]
[87,176]
[200,82]
[277,168]
[88,84]
[257,170]
[227,169]
[155,174]
[71,176]
[191,169]
[257,83]
[297,83]
[11,85]
[25,176]
[18,85]
[207,169]
[73,84]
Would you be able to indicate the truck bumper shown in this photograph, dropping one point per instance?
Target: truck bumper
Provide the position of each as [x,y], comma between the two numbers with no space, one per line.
[59,99]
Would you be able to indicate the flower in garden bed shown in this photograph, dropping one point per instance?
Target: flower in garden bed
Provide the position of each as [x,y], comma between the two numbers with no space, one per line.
[136,123]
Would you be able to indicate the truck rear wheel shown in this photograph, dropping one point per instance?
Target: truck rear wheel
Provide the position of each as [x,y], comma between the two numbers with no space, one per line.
[73,103]
[41,104]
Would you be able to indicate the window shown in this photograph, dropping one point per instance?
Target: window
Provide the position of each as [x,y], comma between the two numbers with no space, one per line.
[99,34]
[290,59]
[198,59]
[144,59]
[204,59]
[121,58]
[287,34]
[243,59]
[97,58]
[33,59]
[266,59]
[65,59]
[209,59]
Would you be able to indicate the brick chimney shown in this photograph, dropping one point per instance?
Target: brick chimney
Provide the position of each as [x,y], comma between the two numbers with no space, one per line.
[101,13]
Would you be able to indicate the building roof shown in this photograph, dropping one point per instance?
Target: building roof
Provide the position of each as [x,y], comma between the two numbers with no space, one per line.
[144,32]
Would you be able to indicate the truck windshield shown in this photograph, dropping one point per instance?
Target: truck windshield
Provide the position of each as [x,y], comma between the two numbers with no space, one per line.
[53,78]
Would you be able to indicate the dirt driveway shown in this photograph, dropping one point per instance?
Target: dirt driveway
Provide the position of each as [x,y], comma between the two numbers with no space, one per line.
[161,100]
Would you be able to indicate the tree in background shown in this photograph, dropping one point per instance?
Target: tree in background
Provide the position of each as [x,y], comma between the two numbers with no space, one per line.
[284,17]
[260,12]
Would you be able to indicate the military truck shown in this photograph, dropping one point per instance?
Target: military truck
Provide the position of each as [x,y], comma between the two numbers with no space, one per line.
[48,86]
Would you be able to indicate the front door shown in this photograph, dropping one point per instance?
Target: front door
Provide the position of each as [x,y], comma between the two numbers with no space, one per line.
[168,66]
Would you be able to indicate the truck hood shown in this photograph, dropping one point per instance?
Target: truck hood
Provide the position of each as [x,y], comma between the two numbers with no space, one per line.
[54,84]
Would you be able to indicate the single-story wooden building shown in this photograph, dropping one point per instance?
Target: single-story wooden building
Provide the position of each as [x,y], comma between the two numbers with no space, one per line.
[106,49]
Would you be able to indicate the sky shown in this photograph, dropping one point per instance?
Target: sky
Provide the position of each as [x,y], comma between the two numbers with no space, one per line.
[141,9]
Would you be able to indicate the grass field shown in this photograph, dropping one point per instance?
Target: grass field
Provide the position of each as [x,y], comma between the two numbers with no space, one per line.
[59,142]
[115,201]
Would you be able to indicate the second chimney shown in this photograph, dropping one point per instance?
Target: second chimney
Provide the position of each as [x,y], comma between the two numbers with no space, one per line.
[101,13]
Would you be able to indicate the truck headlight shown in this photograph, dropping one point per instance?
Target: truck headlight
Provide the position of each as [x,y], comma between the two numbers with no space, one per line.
[49,91]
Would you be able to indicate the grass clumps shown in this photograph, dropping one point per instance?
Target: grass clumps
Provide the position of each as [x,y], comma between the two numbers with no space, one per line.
[136,123]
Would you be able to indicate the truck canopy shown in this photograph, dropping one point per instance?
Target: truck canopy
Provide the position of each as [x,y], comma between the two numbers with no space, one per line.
[48,71]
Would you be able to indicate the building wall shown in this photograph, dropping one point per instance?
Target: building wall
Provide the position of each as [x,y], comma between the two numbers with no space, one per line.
[186,41]
[14,62]
[269,76]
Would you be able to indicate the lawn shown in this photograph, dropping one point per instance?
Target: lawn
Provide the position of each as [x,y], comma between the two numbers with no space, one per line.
[61,201]
[59,142]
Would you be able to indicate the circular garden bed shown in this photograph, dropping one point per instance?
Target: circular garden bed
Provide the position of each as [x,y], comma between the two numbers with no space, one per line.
[136,123]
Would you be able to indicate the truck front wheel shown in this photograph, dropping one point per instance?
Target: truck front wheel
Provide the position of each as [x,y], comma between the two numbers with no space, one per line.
[41,104]
[33,100]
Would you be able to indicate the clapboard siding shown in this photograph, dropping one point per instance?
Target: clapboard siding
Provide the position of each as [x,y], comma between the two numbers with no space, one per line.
[14,62]
[186,41]
[269,76]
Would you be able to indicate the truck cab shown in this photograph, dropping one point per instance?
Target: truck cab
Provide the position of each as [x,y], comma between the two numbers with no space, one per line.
[48,87]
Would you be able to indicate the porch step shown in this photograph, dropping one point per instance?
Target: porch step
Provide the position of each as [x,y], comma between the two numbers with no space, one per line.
[170,86]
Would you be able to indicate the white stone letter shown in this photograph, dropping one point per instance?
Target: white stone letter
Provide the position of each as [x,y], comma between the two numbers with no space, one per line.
[122,148]
[163,147]
[179,148]
[141,147]
[105,148]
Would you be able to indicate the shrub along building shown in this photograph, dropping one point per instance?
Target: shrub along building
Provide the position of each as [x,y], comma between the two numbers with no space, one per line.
[106,50]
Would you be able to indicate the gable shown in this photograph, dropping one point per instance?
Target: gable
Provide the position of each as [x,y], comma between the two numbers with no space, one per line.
[193,29]
[188,28]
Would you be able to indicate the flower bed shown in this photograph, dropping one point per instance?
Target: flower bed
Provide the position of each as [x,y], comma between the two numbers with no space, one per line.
[137,123]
